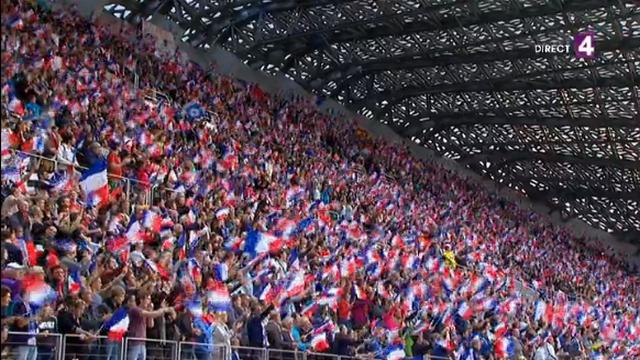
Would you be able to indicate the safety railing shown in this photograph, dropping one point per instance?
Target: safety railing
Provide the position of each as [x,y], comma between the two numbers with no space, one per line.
[194,350]
[148,349]
[23,345]
[77,346]
[280,354]
[130,185]
[73,346]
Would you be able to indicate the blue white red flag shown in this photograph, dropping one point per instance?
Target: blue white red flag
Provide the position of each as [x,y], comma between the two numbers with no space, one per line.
[117,325]
[95,184]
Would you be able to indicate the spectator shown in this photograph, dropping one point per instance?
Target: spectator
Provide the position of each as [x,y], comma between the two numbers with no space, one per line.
[139,314]
[279,205]
[47,329]
[69,324]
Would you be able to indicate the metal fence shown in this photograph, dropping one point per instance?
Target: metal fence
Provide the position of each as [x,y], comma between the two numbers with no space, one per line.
[77,347]
[143,191]
[19,345]
[151,349]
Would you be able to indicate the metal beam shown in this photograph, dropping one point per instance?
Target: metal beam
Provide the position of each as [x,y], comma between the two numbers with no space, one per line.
[506,83]
[438,123]
[501,158]
[579,193]
[249,12]
[427,59]
[345,32]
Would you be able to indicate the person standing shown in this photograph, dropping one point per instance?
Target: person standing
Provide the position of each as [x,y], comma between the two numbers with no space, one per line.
[48,325]
[138,321]
[23,322]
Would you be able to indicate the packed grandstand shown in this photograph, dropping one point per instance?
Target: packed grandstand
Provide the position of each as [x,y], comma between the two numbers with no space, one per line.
[220,215]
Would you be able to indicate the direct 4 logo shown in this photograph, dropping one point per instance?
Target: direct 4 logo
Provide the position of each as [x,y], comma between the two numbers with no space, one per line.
[584,45]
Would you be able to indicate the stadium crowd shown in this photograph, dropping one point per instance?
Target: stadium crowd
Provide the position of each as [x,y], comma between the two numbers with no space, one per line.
[270,225]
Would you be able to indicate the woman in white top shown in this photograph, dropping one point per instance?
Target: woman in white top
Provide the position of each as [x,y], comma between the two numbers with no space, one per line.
[221,337]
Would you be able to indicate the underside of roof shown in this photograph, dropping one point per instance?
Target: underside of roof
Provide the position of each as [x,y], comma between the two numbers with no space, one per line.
[461,77]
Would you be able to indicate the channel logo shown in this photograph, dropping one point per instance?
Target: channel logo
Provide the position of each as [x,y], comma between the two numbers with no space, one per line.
[584,46]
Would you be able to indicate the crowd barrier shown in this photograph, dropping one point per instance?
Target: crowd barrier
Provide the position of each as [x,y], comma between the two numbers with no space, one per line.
[20,345]
[131,186]
[153,349]
[44,346]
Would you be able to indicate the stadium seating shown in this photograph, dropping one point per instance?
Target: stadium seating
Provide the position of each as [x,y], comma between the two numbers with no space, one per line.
[233,217]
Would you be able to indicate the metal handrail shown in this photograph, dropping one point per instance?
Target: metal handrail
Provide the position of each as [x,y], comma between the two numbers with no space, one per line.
[177,345]
[59,343]
[148,194]
[147,340]
[63,350]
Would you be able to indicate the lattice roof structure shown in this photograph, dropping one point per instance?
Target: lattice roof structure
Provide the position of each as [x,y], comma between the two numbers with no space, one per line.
[460,77]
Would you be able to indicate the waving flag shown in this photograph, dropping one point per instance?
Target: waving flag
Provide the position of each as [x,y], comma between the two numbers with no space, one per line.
[95,185]
[504,348]
[260,243]
[75,284]
[156,268]
[294,194]
[16,23]
[135,233]
[465,311]
[478,284]
[218,299]
[195,308]
[296,285]
[395,352]
[193,111]
[151,220]
[28,250]
[319,342]
[37,292]
[117,325]
[543,311]
[61,182]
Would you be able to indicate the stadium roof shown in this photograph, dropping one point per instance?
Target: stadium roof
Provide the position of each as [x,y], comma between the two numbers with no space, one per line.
[460,77]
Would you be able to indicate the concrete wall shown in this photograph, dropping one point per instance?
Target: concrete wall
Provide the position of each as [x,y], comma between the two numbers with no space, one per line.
[227,63]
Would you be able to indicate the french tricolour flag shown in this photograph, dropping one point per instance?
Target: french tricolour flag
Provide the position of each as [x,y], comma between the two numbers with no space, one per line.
[543,311]
[16,23]
[395,352]
[135,233]
[504,348]
[260,243]
[37,292]
[294,194]
[465,311]
[320,343]
[152,220]
[195,308]
[95,185]
[478,284]
[218,299]
[61,182]
[75,283]
[118,324]
[296,285]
